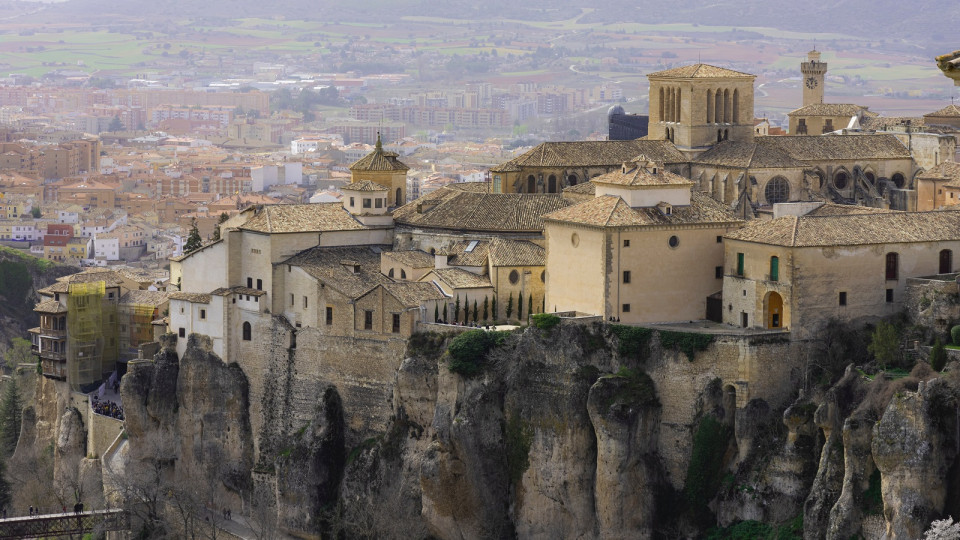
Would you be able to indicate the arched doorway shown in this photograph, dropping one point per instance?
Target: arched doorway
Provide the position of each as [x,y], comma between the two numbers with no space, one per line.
[946,261]
[552,184]
[774,310]
[531,184]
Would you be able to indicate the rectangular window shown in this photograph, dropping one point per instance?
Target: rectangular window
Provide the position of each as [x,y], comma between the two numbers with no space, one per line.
[368,320]
[843,298]
[329,315]
[291,300]
[259,284]
[351,202]
[182,332]
[366,203]
[203,314]
[744,319]
[625,308]
[740,264]
[249,282]
[719,239]
[496,183]
[889,295]
[626,243]
[378,203]
[718,272]
[304,302]
[626,276]
[396,323]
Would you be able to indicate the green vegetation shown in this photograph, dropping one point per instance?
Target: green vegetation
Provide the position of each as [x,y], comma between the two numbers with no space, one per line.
[756,530]
[469,350]
[18,353]
[517,440]
[427,344]
[545,321]
[634,341]
[938,355]
[354,452]
[703,473]
[885,344]
[11,408]
[872,500]
[688,342]
[637,388]
[15,282]
[194,242]
[955,335]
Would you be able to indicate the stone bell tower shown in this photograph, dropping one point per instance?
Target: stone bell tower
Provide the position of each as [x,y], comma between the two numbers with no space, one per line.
[814,71]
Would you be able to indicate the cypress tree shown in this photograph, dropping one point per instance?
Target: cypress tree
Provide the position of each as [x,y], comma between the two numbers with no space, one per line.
[445,313]
[11,409]
[520,306]
[456,310]
[509,306]
[493,308]
[436,312]
[530,305]
[475,312]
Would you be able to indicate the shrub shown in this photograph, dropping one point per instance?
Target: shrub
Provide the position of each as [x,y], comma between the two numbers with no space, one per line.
[885,344]
[545,321]
[687,342]
[955,335]
[633,340]
[938,355]
[703,473]
[469,350]
[517,440]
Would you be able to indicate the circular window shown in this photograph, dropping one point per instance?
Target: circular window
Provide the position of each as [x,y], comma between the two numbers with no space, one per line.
[898,179]
[575,239]
[514,277]
[543,276]
[777,190]
[840,180]
[674,241]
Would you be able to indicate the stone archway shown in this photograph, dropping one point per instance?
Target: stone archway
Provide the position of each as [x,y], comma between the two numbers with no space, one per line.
[773,313]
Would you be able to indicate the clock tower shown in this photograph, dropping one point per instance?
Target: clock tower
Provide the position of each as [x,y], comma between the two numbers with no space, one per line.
[813,71]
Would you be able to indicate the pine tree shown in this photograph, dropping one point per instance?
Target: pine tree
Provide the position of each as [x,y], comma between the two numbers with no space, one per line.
[216,229]
[520,306]
[509,306]
[11,408]
[486,309]
[193,240]
[475,312]
[493,308]
[456,310]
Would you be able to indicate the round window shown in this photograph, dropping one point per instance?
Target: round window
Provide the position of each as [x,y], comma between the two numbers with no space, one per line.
[674,241]
[840,180]
[575,239]
[514,277]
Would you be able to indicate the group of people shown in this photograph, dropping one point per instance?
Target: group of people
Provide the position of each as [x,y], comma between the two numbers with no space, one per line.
[613,319]
[107,408]
[470,324]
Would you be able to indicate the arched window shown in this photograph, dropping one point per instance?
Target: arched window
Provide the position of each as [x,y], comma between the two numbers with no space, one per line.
[662,119]
[247,331]
[893,266]
[403,274]
[531,184]
[709,105]
[946,261]
[898,179]
[736,106]
[726,134]
[777,190]
[676,116]
[872,178]
[390,273]
[840,179]
[774,268]
[572,180]
[552,184]
[399,200]
[719,135]
[726,106]
[718,107]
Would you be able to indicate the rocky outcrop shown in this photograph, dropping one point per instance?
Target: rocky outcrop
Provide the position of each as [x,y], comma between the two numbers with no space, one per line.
[625,414]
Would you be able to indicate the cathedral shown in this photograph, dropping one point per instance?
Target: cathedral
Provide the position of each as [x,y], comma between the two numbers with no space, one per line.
[701,127]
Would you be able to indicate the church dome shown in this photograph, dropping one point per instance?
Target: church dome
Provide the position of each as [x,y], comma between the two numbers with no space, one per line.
[616,109]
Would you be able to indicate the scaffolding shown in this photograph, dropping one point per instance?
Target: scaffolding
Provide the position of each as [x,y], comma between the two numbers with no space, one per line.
[141,324]
[92,343]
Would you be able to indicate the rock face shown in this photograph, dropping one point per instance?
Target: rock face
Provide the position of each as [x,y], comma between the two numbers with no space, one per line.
[914,446]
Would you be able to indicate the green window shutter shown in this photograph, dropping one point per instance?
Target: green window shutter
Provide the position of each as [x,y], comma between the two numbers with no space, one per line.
[774,268]
[739,264]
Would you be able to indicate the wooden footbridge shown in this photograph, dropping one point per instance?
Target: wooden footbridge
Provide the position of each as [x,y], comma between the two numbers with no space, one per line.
[66,524]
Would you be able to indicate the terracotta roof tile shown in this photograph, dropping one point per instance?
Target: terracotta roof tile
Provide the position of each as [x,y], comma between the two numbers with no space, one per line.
[828,109]
[413,293]
[699,71]
[505,252]
[797,150]
[50,306]
[195,298]
[949,110]
[288,218]
[642,176]
[592,154]
[411,258]
[853,229]
[612,211]
[363,185]
[458,278]
[151,298]
[379,160]
[333,266]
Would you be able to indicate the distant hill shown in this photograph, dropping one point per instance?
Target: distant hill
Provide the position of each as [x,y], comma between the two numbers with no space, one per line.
[932,23]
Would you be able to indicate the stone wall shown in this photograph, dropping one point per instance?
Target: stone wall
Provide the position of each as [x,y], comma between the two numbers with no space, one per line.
[101,432]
